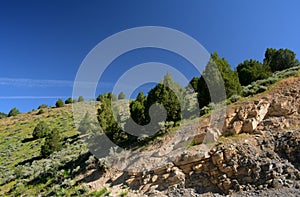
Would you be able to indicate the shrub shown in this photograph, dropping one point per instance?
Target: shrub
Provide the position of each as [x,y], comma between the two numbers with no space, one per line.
[121,96]
[69,101]
[81,99]
[53,143]
[41,130]
[59,103]
[234,98]
[204,110]
[252,70]
[42,106]
[280,59]
[41,111]
[2,115]
[13,112]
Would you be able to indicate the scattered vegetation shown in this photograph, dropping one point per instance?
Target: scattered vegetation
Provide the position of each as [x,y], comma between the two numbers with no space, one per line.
[45,160]
[80,99]
[121,96]
[59,103]
[53,142]
[69,101]
[41,130]
[13,112]
[2,115]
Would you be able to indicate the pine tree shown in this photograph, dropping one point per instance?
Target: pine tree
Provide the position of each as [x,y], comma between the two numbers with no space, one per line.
[53,143]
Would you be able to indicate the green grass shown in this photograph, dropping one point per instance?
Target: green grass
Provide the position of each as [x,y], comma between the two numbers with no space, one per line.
[13,151]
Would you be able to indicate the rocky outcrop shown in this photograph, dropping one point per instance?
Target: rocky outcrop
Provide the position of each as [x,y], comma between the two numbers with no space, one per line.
[264,154]
[260,163]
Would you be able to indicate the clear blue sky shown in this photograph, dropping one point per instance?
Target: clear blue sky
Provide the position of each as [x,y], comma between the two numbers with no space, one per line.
[42,43]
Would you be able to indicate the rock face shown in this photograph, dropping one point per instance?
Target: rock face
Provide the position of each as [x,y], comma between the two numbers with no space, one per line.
[263,162]
[264,156]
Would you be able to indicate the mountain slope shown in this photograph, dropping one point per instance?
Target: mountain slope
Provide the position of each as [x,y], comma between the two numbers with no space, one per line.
[257,148]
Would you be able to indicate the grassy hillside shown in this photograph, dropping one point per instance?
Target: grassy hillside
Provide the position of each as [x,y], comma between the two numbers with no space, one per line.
[22,169]
[24,172]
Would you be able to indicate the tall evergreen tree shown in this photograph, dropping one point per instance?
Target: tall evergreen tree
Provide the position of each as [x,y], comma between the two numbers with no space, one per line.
[252,70]
[280,59]
[217,74]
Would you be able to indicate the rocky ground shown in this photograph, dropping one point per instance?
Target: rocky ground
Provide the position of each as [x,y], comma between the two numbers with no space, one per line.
[254,150]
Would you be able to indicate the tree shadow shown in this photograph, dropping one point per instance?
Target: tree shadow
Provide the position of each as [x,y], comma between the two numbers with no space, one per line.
[29,160]
[29,139]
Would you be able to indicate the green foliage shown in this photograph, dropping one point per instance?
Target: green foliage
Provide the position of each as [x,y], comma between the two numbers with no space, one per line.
[110,96]
[231,80]
[69,101]
[168,94]
[41,111]
[217,74]
[124,193]
[108,123]
[137,109]
[121,96]
[234,98]
[194,83]
[252,70]
[87,125]
[43,106]
[13,112]
[59,103]
[99,193]
[41,130]
[280,59]
[53,143]
[261,85]
[80,99]
[2,115]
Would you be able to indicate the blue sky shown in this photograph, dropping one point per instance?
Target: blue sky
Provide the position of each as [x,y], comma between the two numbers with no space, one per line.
[43,43]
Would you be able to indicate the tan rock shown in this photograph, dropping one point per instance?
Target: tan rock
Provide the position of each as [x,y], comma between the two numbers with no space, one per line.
[217,158]
[249,125]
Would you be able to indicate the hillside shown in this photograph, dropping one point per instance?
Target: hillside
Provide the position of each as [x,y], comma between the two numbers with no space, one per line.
[256,151]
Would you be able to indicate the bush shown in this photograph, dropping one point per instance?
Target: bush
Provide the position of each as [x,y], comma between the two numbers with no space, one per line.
[53,143]
[81,99]
[204,110]
[41,130]
[280,59]
[216,76]
[69,101]
[13,112]
[234,98]
[41,111]
[59,103]
[2,115]
[252,70]
[121,96]
[42,106]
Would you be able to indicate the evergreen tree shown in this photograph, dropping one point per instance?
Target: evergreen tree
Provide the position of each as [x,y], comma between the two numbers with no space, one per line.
[59,103]
[41,130]
[2,115]
[217,74]
[13,112]
[165,96]
[69,101]
[53,143]
[121,96]
[108,123]
[137,109]
[280,59]
[252,70]
[87,125]
[80,99]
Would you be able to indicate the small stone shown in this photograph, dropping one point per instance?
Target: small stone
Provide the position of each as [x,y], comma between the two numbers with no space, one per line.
[154,178]
[277,183]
